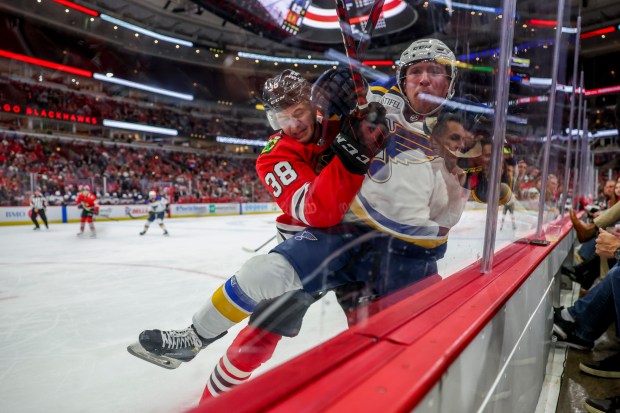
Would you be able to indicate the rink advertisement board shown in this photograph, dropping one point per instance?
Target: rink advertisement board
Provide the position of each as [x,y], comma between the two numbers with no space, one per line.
[57,214]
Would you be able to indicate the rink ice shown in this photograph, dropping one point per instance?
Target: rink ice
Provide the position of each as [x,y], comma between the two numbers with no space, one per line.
[69,307]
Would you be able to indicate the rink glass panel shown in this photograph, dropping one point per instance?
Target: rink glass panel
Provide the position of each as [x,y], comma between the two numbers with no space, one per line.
[524,156]
[473,33]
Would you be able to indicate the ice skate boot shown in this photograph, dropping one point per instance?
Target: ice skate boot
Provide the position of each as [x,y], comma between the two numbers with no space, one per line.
[166,233]
[169,348]
[80,234]
[36,228]
[142,232]
[93,235]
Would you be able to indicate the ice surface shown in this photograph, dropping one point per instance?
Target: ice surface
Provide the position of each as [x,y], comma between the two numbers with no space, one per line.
[69,307]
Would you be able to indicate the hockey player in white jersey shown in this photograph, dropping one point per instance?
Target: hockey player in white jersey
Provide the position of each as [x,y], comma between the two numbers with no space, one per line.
[157,206]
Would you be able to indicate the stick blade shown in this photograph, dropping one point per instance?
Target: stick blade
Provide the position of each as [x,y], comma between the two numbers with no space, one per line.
[137,350]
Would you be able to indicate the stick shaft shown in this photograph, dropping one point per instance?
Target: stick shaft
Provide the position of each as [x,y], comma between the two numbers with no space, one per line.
[261,246]
[350,50]
[373,18]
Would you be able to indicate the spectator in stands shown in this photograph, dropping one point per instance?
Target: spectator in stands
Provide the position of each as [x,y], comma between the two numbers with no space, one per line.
[583,323]
[521,178]
[606,197]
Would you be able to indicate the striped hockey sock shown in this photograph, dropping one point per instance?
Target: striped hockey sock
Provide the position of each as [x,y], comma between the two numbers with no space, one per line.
[250,349]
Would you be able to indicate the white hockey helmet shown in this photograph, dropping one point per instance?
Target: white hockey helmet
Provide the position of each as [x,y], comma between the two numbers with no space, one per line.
[425,50]
[152,194]
[282,91]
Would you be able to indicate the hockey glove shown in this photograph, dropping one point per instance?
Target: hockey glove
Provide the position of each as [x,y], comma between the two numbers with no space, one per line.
[333,93]
[362,135]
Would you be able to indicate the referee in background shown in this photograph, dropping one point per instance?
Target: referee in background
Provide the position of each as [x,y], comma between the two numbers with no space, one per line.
[38,205]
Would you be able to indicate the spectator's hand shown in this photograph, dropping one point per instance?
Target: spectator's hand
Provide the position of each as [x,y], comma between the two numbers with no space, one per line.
[606,244]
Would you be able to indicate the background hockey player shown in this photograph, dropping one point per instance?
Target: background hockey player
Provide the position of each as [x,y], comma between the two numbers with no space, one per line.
[157,205]
[38,205]
[87,202]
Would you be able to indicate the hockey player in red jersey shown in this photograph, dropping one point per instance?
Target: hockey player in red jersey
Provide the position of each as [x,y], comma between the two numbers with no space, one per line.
[87,202]
[312,187]
[297,165]
[313,177]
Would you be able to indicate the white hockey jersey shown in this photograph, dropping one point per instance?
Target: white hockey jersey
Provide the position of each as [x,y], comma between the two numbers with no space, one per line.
[157,205]
[408,192]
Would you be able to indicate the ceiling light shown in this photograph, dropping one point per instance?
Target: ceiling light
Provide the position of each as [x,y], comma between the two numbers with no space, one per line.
[142,86]
[146,32]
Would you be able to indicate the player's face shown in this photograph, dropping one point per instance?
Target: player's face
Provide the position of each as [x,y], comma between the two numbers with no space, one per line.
[426,78]
[298,122]
[609,187]
[552,184]
[452,141]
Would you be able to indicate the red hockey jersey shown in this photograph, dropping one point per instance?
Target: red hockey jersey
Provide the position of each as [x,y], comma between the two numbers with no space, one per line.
[308,182]
[88,202]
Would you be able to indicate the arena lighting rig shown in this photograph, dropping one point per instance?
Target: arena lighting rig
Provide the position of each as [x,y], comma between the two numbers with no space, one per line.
[473,7]
[98,76]
[119,22]
[137,127]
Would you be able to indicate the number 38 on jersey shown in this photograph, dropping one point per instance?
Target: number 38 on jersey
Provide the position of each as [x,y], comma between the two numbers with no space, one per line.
[283,175]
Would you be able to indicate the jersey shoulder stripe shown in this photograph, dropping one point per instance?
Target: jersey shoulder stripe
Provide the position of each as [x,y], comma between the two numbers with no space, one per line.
[383,87]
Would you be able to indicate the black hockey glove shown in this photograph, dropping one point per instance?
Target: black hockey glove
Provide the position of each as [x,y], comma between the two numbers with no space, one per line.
[333,93]
[362,135]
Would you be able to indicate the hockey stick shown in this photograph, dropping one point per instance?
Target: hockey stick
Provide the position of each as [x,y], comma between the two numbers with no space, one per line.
[352,52]
[373,18]
[261,246]
[128,212]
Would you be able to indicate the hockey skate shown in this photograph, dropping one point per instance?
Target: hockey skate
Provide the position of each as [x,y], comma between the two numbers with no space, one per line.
[168,349]
[166,233]
[142,232]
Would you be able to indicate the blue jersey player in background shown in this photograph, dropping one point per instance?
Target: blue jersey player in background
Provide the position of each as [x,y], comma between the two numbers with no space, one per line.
[157,206]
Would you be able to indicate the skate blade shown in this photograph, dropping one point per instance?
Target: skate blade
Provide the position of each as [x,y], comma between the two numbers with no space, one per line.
[137,350]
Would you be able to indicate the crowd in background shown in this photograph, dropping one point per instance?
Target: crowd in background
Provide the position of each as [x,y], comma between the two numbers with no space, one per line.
[121,174]
[187,119]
